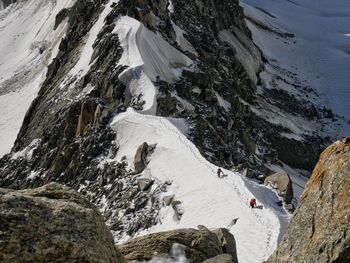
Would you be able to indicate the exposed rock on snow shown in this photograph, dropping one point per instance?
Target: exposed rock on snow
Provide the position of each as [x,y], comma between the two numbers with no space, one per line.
[168,199]
[144,183]
[282,182]
[53,224]
[198,245]
[319,228]
[140,160]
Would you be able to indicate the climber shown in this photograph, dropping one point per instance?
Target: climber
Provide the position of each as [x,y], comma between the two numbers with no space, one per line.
[252,203]
[220,173]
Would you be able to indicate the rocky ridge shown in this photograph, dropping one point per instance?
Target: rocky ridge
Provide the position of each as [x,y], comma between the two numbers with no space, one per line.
[319,228]
[198,245]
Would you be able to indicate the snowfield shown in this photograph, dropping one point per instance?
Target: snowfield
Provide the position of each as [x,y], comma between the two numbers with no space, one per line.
[205,198]
[310,40]
[28,44]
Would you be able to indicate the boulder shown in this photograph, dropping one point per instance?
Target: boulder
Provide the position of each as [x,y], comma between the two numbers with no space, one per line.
[144,183]
[140,160]
[228,243]
[198,245]
[319,229]
[283,184]
[53,224]
[178,210]
[168,199]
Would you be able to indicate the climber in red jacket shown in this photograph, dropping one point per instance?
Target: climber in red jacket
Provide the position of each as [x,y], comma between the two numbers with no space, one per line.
[252,203]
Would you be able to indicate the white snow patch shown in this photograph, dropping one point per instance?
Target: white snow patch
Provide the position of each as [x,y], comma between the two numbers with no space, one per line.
[223,103]
[171,6]
[148,56]
[27,152]
[184,44]
[33,175]
[185,104]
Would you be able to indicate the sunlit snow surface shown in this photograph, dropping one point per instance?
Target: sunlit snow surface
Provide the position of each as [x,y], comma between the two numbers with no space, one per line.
[320,51]
[206,199]
[28,43]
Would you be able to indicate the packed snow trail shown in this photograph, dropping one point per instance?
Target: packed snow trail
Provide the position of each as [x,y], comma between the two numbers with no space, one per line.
[28,44]
[206,199]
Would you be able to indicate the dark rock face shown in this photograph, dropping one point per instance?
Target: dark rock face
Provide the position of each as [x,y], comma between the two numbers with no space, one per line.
[198,245]
[53,224]
[6,3]
[319,228]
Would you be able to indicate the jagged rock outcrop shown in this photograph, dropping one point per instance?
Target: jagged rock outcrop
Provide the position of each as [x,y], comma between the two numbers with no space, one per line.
[319,229]
[6,3]
[53,224]
[198,245]
[140,160]
[282,182]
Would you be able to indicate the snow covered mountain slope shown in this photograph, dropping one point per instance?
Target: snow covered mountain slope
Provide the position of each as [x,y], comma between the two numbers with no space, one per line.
[205,199]
[28,43]
[128,72]
[307,46]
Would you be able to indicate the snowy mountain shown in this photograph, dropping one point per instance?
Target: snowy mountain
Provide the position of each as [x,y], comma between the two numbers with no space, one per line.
[85,84]
[27,46]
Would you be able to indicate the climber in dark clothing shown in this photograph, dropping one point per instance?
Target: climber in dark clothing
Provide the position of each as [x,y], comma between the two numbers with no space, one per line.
[220,173]
[252,203]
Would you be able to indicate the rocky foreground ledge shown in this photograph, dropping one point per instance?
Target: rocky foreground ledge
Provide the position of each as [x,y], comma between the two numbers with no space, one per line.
[319,230]
[54,223]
